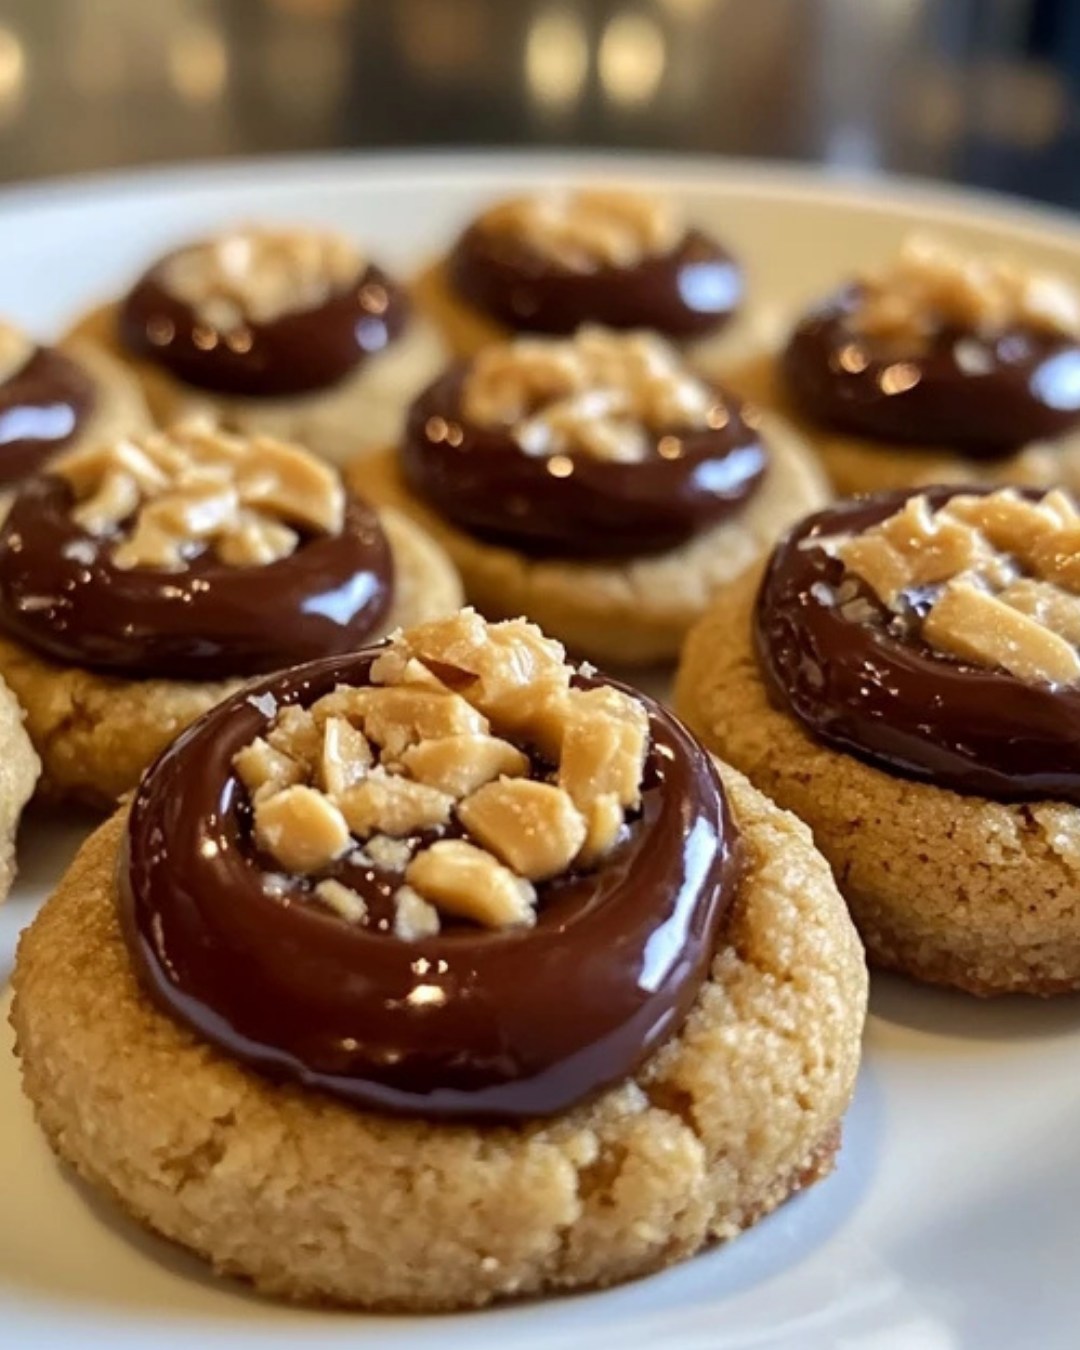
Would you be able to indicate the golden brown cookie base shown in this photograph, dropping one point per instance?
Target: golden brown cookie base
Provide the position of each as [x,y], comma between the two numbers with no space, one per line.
[956,890]
[313,1201]
[465,329]
[119,408]
[362,412]
[632,613]
[96,733]
[19,770]
[856,465]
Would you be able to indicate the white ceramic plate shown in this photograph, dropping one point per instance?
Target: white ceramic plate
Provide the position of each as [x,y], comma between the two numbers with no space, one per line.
[954,1217]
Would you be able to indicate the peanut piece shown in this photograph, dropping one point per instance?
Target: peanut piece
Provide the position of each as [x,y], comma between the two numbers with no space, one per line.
[604,821]
[343,900]
[465,881]
[460,764]
[978,627]
[264,770]
[604,746]
[301,829]
[296,733]
[532,827]
[346,756]
[384,803]
[414,918]
[1052,607]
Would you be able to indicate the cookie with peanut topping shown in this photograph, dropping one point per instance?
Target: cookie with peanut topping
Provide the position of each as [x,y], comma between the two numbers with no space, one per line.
[905,676]
[289,332]
[142,579]
[445,917]
[941,366]
[54,399]
[596,484]
[553,262]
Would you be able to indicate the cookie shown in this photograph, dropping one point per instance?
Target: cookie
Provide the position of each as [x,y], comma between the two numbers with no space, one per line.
[596,485]
[531,1172]
[943,367]
[141,582]
[19,769]
[553,262]
[59,398]
[290,333]
[933,757]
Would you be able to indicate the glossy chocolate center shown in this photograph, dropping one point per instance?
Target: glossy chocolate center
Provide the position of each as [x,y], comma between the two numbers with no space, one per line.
[471,1023]
[43,407]
[578,506]
[860,679]
[983,395]
[300,352]
[686,293]
[61,594]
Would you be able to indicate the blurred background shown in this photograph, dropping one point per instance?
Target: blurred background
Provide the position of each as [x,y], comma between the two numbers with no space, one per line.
[977,91]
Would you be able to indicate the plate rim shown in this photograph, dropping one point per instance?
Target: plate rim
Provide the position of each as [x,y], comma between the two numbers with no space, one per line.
[402,167]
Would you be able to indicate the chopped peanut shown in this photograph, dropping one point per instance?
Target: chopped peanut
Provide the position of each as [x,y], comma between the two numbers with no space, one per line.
[460,764]
[301,828]
[532,827]
[414,918]
[604,746]
[463,880]
[977,626]
[385,803]
[346,756]
[264,770]
[343,900]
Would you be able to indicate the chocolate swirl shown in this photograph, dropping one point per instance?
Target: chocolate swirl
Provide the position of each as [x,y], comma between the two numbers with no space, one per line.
[577,506]
[43,407]
[472,1023]
[61,595]
[851,675]
[686,293]
[984,396]
[298,353]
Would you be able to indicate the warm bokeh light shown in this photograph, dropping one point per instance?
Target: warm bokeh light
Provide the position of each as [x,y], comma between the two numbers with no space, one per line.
[12,72]
[556,57]
[632,57]
[198,63]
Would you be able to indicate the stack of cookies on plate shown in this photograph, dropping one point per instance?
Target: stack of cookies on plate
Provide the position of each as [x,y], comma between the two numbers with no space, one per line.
[422,963]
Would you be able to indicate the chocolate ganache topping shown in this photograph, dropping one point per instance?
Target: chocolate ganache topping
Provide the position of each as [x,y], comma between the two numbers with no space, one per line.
[46,398]
[936,634]
[352,877]
[604,445]
[944,350]
[191,554]
[263,314]
[548,264]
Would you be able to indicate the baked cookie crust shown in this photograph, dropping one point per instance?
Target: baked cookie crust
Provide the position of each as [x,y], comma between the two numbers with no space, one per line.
[628,613]
[955,890]
[120,409]
[362,412]
[19,770]
[315,1202]
[96,733]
